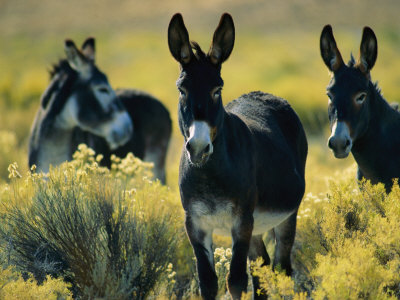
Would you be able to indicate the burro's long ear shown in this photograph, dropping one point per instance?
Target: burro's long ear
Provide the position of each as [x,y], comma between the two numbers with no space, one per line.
[88,48]
[368,50]
[178,40]
[223,40]
[75,58]
[329,51]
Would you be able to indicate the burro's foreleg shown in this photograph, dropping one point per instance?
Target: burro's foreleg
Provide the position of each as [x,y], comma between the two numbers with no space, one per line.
[241,237]
[201,241]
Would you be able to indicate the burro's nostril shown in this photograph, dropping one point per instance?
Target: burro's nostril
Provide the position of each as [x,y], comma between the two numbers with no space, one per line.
[330,145]
[188,146]
[207,149]
[340,142]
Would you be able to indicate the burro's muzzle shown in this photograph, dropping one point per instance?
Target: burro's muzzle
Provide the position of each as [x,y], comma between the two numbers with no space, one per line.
[340,141]
[199,145]
[119,130]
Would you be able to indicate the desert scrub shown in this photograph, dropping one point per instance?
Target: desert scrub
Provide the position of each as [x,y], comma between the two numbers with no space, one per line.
[275,284]
[347,246]
[222,261]
[14,287]
[110,234]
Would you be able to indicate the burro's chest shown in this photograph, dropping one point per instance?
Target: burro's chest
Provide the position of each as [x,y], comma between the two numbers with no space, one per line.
[223,216]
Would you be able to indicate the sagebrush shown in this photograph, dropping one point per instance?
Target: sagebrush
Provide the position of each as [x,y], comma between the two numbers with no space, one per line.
[111,234]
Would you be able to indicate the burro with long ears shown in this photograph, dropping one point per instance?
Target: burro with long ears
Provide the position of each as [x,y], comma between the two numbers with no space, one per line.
[80,98]
[242,165]
[80,106]
[361,120]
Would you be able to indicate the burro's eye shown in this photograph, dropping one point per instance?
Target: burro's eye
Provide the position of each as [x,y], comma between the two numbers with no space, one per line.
[182,93]
[216,93]
[360,98]
[103,89]
[330,97]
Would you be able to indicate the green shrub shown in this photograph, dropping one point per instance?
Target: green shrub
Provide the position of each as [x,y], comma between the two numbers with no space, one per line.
[111,234]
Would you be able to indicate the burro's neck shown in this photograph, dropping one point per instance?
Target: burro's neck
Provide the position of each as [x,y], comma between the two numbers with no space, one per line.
[54,149]
[374,149]
[54,140]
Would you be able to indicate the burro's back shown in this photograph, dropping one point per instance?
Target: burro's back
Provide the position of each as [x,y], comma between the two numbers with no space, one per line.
[280,146]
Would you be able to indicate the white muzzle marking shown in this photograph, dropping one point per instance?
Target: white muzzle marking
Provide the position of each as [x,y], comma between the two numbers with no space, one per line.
[340,134]
[199,138]
[119,130]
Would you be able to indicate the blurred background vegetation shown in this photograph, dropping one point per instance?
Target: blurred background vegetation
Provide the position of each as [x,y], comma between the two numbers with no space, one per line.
[276,51]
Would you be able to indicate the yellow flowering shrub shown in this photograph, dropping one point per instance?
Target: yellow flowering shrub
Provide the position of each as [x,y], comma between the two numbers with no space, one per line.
[112,234]
[103,230]
[347,246]
[14,287]
[222,259]
[275,284]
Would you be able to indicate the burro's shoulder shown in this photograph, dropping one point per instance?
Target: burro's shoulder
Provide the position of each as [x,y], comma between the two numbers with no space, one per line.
[261,107]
